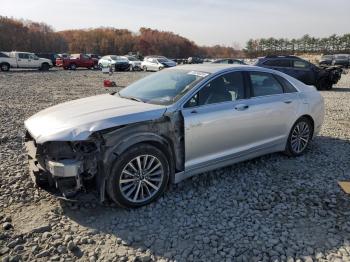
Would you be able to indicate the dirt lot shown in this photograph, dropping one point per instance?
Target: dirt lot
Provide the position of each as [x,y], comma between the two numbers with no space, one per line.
[272,208]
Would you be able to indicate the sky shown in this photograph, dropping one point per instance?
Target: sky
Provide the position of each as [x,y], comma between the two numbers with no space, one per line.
[206,22]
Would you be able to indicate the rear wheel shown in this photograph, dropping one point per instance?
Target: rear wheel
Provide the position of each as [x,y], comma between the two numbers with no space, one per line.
[73,66]
[299,137]
[5,67]
[324,84]
[138,176]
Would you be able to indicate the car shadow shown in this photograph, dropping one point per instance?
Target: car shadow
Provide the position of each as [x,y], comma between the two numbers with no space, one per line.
[271,207]
[340,89]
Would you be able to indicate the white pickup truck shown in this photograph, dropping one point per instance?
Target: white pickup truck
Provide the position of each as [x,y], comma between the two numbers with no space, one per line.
[23,60]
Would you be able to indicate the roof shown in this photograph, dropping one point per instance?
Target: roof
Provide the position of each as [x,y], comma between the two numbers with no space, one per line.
[213,68]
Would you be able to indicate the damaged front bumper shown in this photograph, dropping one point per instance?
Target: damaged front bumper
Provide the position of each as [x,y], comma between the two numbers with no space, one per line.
[60,177]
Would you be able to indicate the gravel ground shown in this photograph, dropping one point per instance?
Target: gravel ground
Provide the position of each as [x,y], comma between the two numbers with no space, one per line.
[272,208]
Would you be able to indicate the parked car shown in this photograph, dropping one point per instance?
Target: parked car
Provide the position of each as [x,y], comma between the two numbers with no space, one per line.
[51,56]
[94,56]
[120,63]
[194,60]
[134,63]
[76,60]
[321,77]
[229,61]
[342,60]
[169,126]
[23,60]
[156,63]
[326,60]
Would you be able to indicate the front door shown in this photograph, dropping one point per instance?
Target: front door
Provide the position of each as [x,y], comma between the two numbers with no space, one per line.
[213,120]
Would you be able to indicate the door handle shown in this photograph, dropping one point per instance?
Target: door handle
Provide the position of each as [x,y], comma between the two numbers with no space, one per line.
[241,107]
[288,101]
[194,111]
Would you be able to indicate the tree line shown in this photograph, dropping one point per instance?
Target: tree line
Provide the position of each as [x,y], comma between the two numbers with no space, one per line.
[24,35]
[306,44]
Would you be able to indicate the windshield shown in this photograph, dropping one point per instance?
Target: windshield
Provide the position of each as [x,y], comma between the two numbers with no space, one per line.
[163,88]
[163,60]
[113,57]
[132,58]
[122,59]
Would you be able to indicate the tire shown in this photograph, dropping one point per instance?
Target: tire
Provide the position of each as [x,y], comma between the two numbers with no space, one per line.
[5,67]
[299,137]
[140,189]
[72,66]
[144,68]
[324,84]
[45,67]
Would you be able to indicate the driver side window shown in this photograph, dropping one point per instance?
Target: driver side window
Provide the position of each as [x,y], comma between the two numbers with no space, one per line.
[228,87]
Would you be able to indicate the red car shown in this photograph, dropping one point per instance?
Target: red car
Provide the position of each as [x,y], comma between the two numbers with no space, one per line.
[77,60]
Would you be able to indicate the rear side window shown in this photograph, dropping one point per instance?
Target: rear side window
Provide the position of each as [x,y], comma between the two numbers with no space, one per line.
[23,56]
[278,62]
[264,84]
[288,87]
[300,64]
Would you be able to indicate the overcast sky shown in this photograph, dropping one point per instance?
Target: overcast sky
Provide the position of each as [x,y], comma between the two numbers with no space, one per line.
[207,22]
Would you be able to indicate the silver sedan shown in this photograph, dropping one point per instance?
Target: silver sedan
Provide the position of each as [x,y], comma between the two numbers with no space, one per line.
[170,126]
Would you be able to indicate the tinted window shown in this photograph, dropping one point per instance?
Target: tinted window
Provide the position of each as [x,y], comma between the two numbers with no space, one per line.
[278,62]
[288,87]
[23,56]
[300,64]
[229,87]
[264,84]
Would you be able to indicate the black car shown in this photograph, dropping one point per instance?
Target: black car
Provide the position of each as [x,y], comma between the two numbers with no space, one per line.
[229,61]
[321,77]
[341,60]
[51,56]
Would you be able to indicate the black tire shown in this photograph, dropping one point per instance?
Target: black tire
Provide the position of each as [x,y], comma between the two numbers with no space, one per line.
[72,66]
[324,84]
[5,67]
[290,149]
[113,182]
[45,67]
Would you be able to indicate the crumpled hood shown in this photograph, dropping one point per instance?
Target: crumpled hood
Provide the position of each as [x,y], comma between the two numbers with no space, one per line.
[77,119]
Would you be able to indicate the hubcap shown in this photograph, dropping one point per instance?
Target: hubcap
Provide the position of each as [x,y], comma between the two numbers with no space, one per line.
[141,178]
[300,137]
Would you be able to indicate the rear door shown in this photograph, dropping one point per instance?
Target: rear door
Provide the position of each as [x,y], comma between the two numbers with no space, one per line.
[23,60]
[274,107]
[281,64]
[302,71]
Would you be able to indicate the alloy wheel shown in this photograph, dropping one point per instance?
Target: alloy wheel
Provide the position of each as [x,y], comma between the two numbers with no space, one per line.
[300,137]
[141,178]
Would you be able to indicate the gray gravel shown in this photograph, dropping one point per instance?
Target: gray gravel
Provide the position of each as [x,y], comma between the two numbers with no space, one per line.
[272,208]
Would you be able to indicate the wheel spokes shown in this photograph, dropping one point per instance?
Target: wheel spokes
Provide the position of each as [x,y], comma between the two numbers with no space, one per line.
[141,178]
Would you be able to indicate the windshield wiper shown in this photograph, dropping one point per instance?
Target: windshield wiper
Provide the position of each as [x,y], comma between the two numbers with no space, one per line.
[131,98]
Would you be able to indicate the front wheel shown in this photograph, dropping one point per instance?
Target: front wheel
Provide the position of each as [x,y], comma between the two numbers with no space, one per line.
[139,176]
[299,137]
[45,67]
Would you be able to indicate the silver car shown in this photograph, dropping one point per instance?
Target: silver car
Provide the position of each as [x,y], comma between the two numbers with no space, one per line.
[170,126]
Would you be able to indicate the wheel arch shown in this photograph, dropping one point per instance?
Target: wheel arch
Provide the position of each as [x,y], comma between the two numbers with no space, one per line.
[160,142]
